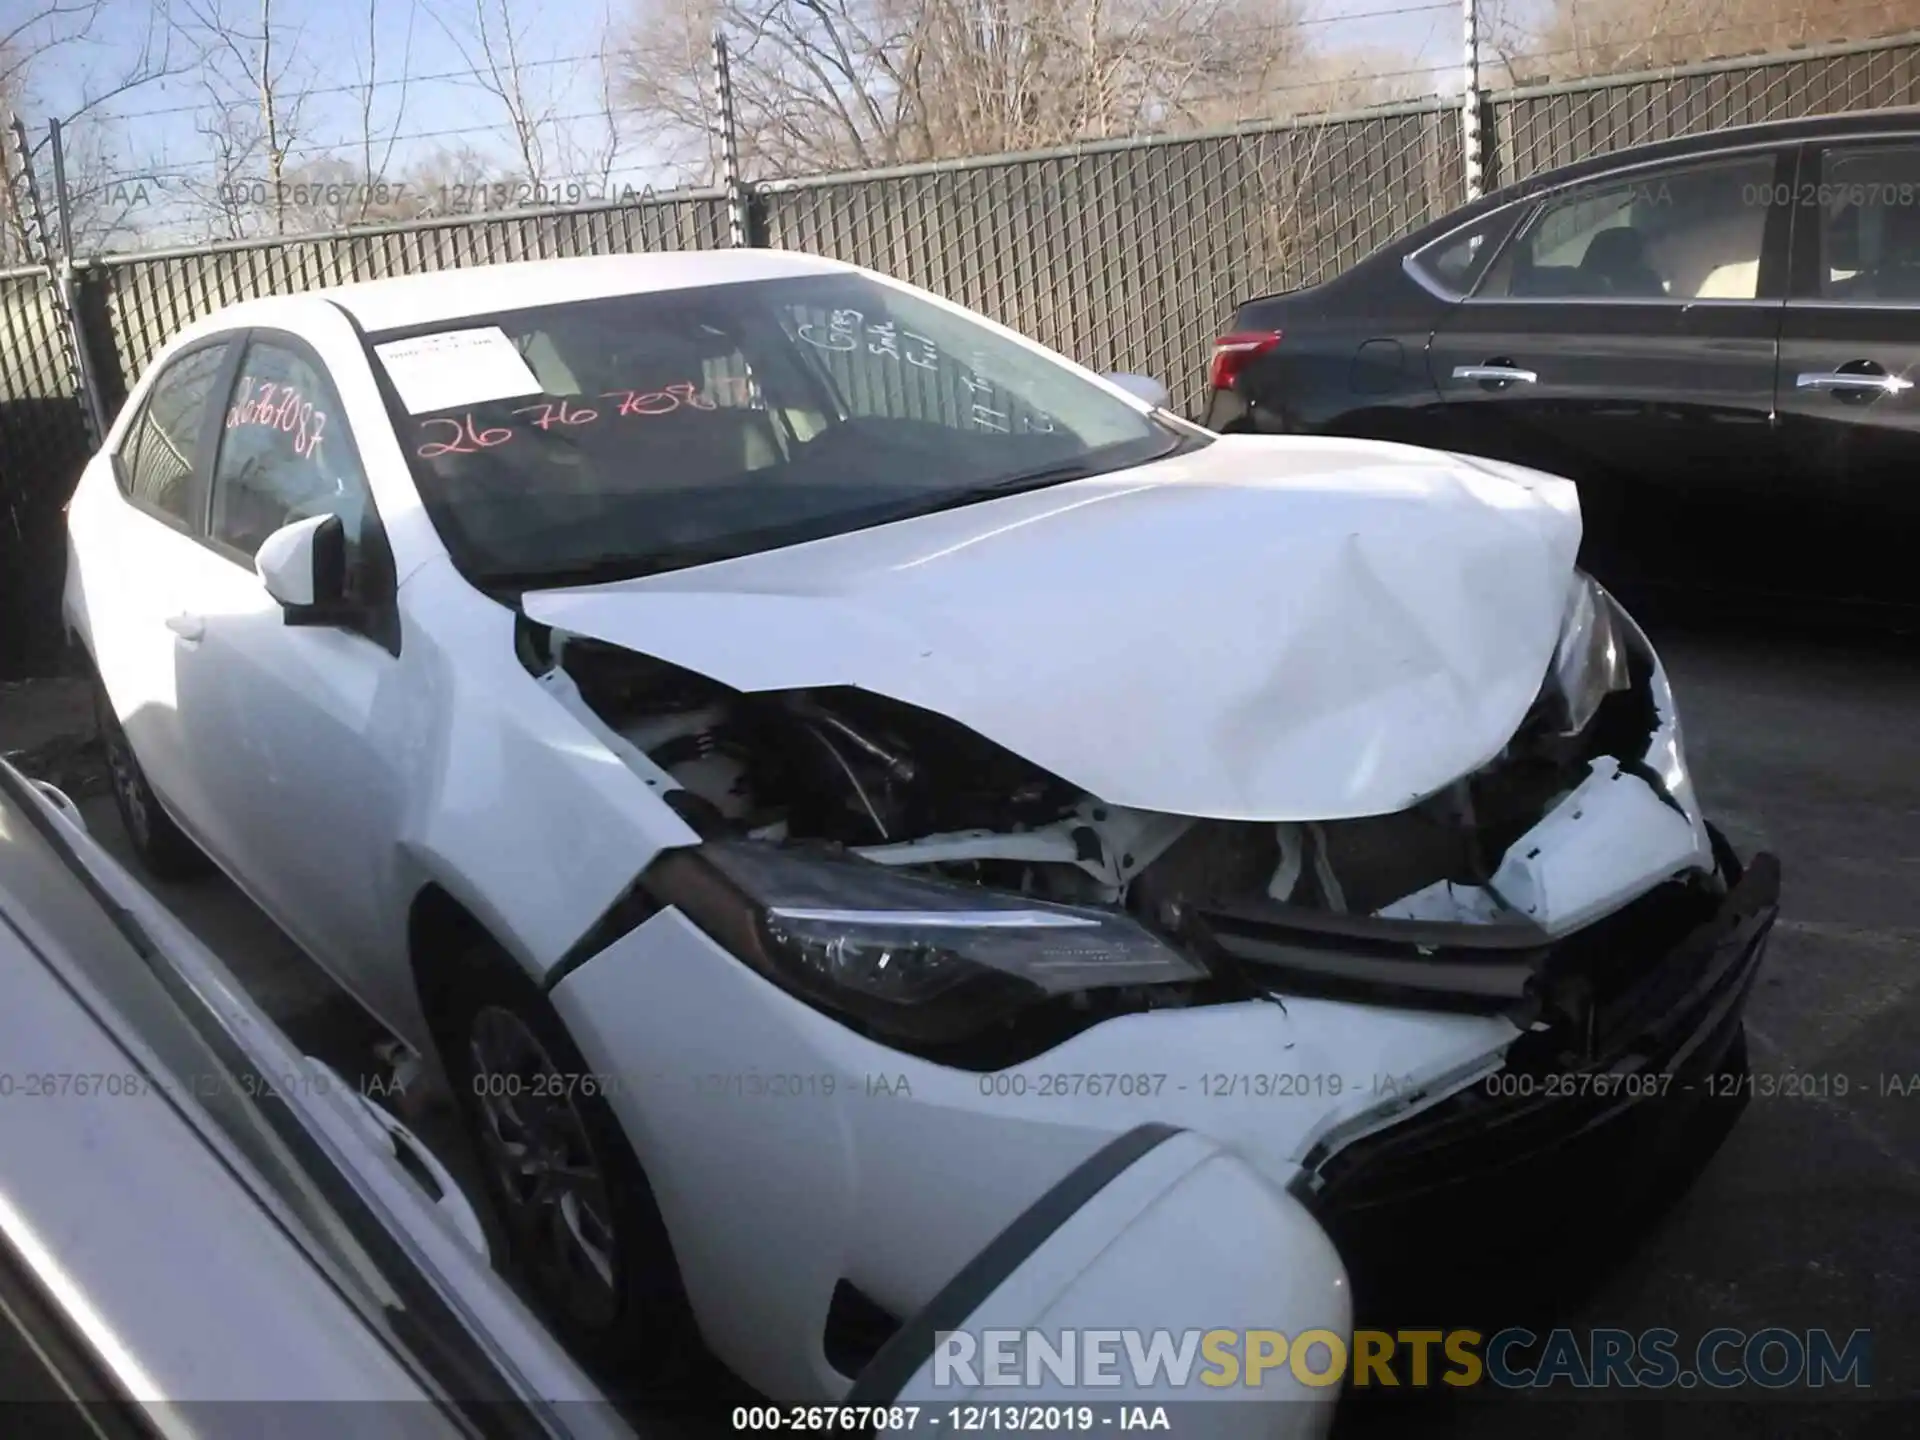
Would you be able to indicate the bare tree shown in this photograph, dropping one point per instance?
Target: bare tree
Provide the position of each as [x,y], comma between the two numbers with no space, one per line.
[461,180]
[490,42]
[833,84]
[63,39]
[601,155]
[1597,37]
[333,193]
[569,156]
[256,91]
[219,186]
[665,73]
[1302,82]
[377,155]
[15,245]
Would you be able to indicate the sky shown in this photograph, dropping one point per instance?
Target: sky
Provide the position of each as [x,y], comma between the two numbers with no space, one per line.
[441,105]
[425,94]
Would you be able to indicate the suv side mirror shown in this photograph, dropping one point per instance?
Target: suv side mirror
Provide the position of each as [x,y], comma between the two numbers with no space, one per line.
[1143,387]
[304,567]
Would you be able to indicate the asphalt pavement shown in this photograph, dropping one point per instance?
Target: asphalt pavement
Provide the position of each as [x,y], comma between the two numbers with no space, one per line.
[1809,1215]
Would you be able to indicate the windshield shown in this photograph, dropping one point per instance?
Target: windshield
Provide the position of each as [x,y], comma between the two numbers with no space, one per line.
[630,434]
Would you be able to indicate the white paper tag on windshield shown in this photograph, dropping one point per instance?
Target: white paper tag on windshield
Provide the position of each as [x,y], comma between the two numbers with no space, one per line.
[457,367]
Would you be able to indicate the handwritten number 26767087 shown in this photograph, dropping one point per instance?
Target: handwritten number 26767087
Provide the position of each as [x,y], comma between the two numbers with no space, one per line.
[463,437]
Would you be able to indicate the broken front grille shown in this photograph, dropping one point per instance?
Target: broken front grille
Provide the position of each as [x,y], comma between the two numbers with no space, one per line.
[1675,1019]
[1599,977]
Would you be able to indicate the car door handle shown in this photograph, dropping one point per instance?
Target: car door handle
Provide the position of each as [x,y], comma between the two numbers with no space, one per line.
[1495,374]
[1824,380]
[190,628]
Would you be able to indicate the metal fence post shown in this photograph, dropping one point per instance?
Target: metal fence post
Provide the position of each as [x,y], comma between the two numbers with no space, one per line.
[62,269]
[1470,101]
[59,268]
[34,230]
[729,145]
[62,205]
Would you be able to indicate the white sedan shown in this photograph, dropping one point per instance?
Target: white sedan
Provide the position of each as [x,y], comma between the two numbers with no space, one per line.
[815,766]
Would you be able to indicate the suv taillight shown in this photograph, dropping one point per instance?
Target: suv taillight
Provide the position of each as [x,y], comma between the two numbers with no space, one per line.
[1233,353]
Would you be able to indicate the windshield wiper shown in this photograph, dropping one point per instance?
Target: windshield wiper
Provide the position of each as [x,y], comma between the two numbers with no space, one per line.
[1026,480]
[1017,484]
[1069,470]
[607,568]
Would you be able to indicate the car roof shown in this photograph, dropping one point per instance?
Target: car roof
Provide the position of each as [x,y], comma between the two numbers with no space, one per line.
[1891,121]
[1902,120]
[444,296]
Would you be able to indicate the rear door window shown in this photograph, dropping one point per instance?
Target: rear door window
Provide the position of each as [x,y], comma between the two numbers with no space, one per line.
[156,469]
[1869,200]
[1454,263]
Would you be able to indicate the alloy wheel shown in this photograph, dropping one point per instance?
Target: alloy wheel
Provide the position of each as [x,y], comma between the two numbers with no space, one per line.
[552,1184]
[129,788]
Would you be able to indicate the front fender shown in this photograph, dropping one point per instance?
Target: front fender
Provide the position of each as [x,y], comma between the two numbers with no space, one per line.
[518,810]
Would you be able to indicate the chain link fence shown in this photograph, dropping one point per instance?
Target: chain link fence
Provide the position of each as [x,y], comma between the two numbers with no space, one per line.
[43,444]
[151,297]
[1545,126]
[1125,255]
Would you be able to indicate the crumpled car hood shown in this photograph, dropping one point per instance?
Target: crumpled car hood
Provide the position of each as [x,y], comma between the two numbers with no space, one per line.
[1264,629]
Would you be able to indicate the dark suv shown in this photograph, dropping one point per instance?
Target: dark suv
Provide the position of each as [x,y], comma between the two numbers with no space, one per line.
[1718,338]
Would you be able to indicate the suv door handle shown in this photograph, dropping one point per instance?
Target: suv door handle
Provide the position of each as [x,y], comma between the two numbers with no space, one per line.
[1839,380]
[1495,374]
[190,628]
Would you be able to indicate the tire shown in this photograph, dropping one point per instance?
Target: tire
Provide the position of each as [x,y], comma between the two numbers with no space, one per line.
[630,1321]
[162,846]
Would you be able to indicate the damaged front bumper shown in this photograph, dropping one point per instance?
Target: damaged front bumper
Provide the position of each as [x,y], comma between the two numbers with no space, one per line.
[1605,1098]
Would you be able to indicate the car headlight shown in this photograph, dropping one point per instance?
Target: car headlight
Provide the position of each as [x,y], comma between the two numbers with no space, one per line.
[917,957]
[1590,658]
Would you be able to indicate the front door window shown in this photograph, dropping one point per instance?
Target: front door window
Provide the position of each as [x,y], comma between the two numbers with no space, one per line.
[285,455]
[1690,233]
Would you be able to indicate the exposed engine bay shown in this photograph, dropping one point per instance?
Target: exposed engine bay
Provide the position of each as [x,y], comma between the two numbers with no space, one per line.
[1572,819]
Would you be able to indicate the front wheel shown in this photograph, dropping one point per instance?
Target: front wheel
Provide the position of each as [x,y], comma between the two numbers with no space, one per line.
[584,1232]
[163,847]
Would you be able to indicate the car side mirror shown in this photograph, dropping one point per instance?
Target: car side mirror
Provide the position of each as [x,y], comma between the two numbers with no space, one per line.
[304,567]
[1143,387]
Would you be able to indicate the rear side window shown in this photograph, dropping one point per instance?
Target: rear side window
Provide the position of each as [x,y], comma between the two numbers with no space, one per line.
[1870,224]
[1692,233]
[156,462]
[1455,263]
